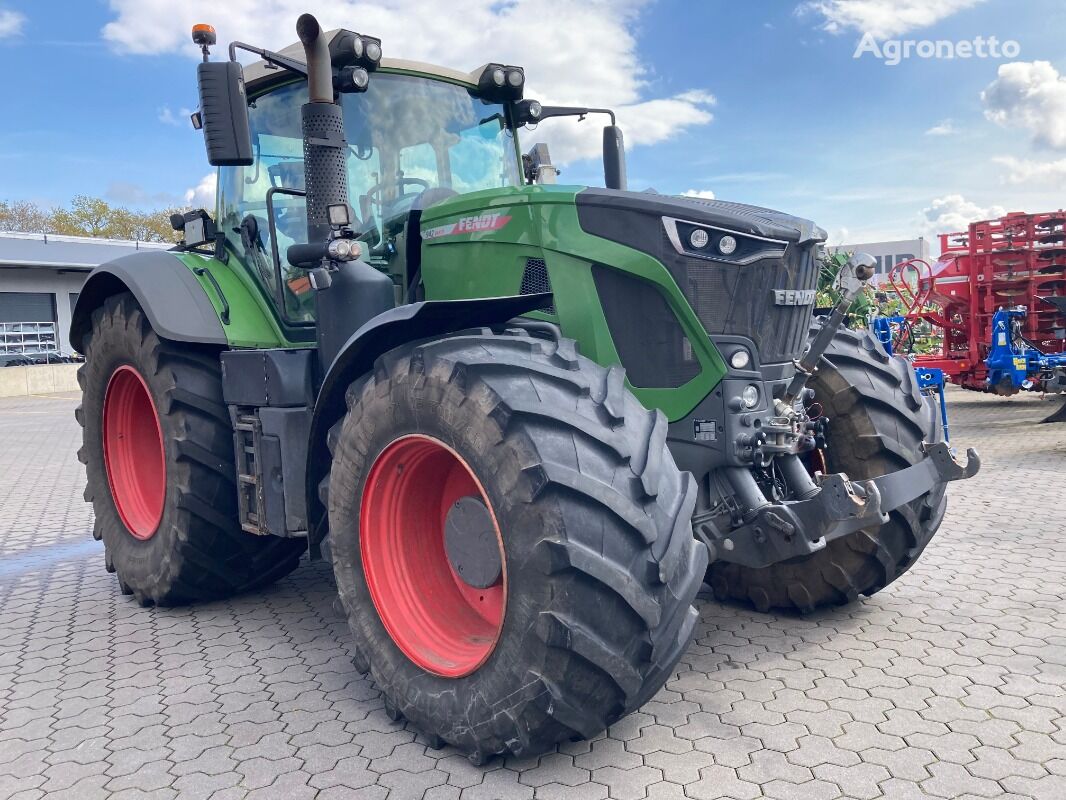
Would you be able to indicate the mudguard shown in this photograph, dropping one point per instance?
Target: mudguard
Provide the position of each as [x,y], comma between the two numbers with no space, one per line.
[173,300]
[386,331]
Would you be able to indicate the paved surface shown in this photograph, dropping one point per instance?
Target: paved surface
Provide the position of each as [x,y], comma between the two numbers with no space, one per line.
[951,683]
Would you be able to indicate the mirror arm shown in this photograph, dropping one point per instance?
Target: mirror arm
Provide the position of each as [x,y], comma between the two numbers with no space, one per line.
[574,111]
[272,58]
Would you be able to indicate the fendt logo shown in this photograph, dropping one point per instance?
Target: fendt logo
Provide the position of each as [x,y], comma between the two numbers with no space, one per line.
[476,224]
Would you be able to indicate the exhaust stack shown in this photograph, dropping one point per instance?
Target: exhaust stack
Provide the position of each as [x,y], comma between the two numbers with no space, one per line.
[316,54]
[325,149]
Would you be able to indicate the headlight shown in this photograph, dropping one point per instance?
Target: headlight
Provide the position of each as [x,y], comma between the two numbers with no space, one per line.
[727,245]
[698,238]
[343,250]
[750,396]
[740,360]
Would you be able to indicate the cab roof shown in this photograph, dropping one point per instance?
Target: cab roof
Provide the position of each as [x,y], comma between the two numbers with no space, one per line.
[258,74]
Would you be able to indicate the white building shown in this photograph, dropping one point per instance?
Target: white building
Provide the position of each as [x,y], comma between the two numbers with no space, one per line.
[40,278]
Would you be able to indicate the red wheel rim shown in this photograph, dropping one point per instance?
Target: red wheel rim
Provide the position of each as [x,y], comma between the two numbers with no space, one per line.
[441,623]
[133,452]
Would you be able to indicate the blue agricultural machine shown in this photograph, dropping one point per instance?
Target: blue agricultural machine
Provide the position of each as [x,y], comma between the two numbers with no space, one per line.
[1015,363]
[930,379]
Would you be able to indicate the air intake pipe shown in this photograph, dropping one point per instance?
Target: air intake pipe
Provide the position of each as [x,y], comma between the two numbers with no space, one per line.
[325,150]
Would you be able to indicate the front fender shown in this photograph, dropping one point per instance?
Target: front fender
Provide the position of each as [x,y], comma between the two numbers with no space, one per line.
[386,331]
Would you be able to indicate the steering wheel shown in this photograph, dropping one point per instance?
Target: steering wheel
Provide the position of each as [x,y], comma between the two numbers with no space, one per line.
[377,188]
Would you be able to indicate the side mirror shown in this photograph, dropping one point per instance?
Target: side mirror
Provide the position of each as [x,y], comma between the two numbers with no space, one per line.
[614,158]
[224,114]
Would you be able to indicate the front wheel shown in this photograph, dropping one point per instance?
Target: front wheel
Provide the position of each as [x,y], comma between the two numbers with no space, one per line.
[878,420]
[511,541]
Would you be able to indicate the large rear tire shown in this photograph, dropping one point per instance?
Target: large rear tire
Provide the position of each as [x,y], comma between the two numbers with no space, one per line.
[586,560]
[158,454]
[878,420]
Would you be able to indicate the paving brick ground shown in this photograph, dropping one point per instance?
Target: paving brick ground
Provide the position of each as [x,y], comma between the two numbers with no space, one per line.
[951,683]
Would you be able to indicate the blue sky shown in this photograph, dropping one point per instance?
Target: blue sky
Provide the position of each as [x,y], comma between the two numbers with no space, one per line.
[797,122]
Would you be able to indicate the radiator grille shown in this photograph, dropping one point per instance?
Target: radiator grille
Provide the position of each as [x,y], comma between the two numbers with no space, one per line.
[739,300]
[535,280]
[650,342]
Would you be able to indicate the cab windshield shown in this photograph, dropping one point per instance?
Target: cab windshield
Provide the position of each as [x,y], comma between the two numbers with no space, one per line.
[410,140]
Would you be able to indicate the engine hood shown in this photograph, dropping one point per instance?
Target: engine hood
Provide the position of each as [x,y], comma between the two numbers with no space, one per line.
[734,216]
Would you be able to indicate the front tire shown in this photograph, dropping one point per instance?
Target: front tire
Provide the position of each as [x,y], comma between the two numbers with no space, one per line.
[157,445]
[878,420]
[589,606]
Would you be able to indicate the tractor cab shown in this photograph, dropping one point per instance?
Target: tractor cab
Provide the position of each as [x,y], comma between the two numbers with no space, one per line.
[389,139]
[415,135]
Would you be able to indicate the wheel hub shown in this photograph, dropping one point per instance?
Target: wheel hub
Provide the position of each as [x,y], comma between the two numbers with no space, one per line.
[470,542]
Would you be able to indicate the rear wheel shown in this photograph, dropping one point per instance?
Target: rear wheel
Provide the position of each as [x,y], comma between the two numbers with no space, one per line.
[878,420]
[158,453]
[511,540]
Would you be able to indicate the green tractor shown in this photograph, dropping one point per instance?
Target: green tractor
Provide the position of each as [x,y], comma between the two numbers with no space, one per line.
[525,421]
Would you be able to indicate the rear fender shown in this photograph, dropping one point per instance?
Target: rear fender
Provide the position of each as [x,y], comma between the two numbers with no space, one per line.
[170,295]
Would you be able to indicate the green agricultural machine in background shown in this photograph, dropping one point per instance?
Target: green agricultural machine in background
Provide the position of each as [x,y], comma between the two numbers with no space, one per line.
[528,420]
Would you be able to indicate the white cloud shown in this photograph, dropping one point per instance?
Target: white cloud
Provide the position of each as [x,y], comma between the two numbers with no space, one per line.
[203,194]
[953,212]
[1033,173]
[176,118]
[574,52]
[1030,95]
[838,237]
[943,128]
[11,23]
[882,19]
[701,194]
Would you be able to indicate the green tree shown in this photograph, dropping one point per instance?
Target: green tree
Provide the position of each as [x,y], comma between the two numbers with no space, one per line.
[829,295]
[24,216]
[89,216]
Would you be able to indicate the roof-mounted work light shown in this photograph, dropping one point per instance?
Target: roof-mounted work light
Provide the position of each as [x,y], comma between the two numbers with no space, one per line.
[499,82]
[355,49]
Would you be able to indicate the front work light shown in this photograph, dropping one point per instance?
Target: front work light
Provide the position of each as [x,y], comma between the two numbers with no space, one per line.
[339,215]
[749,397]
[527,112]
[352,80]
[499,83]
[355,49]
[740,359]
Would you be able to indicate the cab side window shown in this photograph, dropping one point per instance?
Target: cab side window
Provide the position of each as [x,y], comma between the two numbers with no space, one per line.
[277,146]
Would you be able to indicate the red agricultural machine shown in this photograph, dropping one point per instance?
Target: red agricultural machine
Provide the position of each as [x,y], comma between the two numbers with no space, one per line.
[996,294]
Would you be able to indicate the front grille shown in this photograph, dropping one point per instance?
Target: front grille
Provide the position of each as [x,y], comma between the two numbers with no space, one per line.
[739,300]
[646,333]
